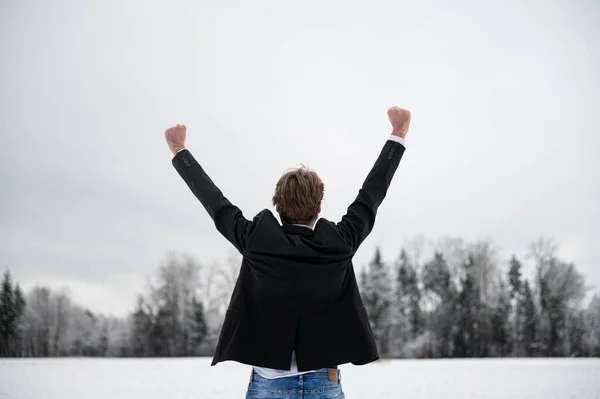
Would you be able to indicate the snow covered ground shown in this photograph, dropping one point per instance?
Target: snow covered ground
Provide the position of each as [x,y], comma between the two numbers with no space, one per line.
[194,378]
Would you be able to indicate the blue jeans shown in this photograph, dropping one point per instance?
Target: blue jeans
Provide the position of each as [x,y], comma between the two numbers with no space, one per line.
[314,385]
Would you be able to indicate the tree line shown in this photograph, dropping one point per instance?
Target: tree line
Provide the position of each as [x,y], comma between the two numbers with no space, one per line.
[461,302]
[438,299]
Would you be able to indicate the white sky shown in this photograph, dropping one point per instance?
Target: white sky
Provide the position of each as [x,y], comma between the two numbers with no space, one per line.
[503,141]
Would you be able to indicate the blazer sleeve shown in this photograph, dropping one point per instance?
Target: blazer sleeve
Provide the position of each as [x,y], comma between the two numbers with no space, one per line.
[228,218]
[358,221]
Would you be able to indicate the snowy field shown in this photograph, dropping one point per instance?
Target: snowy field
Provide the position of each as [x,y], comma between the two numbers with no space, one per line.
[194,378]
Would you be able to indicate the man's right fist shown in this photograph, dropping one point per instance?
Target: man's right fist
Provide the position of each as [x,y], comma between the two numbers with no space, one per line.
[400,119]
[175,138]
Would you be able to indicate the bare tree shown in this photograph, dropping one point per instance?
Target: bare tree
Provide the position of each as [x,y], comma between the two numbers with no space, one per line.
[418,249]
[59,320]
[176,283]
[455,252]
[37,322]
[487,273]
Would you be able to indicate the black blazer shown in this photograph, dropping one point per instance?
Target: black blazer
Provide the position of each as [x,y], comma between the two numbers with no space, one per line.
[296,288]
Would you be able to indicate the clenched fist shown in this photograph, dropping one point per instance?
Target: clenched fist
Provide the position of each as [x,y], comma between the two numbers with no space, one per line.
[400,119]
[175,138]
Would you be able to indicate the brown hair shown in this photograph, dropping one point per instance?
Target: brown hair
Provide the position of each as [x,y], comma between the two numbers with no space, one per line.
[298,195]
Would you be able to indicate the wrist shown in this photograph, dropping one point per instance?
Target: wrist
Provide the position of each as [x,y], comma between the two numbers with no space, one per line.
[176,149]
[399,133]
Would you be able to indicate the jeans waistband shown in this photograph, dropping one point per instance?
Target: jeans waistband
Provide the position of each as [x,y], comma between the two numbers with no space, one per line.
[320,373]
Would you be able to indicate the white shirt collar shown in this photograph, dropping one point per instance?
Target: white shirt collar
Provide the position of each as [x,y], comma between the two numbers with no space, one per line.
[303,225]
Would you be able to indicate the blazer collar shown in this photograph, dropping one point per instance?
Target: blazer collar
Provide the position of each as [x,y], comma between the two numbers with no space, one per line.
[301,230]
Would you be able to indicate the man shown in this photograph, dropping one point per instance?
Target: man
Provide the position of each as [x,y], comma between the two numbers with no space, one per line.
[296,313]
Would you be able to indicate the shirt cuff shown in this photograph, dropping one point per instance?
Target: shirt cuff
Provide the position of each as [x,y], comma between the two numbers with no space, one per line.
[181,150]
[398,139]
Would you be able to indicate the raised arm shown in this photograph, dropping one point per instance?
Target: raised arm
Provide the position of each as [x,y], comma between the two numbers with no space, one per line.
[358,222]
[228,218]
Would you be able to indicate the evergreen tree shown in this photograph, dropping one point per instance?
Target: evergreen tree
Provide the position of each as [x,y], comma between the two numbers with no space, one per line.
[529,321]
[514,277]
[516,288]
[20,314]
[466,335]
[162,333]
[142,331]
[474,320]
[197,328]
[8,315]
[499,323]
[19,301]
[408,294]
[436,277]
[104,342]
[438,285]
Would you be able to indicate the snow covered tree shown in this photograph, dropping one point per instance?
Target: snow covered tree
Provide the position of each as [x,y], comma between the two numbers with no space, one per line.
[163,324]
[60,314]
[591,337]
[119,336]
[376,292]
[37,319]
[561,288]
[455,304]
[486,273]
[46,321]
[178,280]
[83,334]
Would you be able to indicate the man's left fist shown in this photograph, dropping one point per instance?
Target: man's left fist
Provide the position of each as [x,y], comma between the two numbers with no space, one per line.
[176,138]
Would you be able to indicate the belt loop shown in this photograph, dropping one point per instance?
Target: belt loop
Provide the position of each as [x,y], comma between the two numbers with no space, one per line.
[339,376]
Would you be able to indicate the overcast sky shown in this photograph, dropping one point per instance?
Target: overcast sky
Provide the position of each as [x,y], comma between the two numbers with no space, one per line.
[503,142]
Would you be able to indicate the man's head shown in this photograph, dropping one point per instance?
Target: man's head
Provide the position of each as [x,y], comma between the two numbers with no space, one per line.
[298,196]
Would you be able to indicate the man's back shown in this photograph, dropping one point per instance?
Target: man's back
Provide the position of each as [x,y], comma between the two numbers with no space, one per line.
[294,266]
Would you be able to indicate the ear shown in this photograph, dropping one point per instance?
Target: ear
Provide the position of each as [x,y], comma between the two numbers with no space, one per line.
[277,208]
[319,209]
